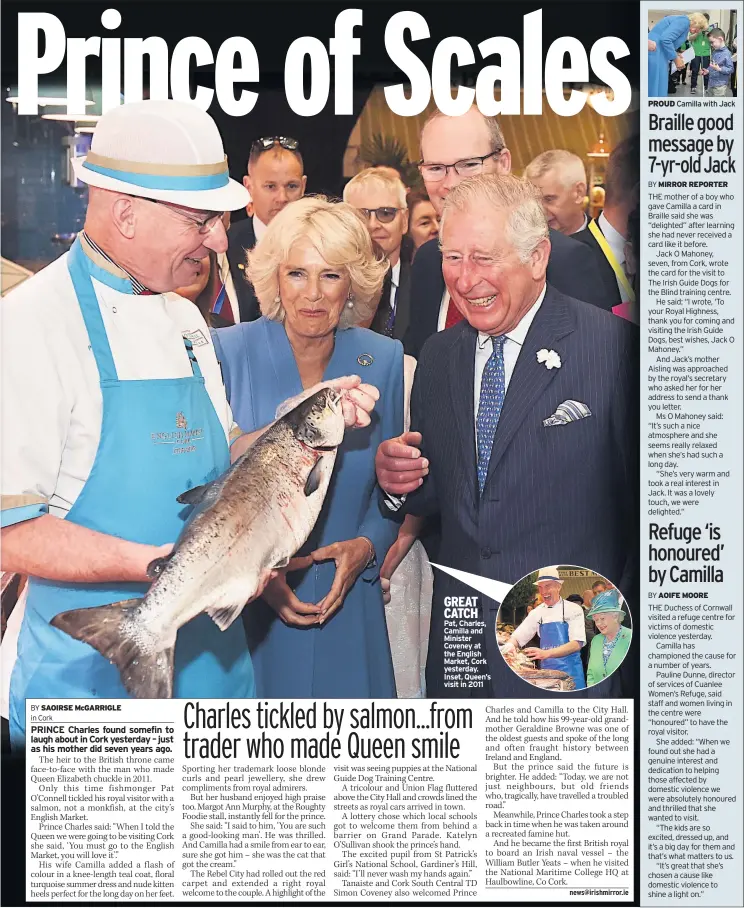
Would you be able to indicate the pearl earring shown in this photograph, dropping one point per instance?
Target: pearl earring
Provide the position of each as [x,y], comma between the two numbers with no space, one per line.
[350,303]
[277,299]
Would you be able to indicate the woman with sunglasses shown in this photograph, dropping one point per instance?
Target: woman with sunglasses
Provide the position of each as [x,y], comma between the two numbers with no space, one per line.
[321,632]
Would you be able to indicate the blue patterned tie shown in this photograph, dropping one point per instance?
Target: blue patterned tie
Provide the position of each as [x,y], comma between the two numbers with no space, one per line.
[491,401]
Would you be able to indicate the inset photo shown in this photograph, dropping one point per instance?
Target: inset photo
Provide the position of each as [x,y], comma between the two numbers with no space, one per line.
[563,628]
[691,53]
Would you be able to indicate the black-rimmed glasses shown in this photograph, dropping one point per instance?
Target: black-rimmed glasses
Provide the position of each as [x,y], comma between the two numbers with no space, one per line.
[384,215]
[467,167]
[269,141]
[204,225]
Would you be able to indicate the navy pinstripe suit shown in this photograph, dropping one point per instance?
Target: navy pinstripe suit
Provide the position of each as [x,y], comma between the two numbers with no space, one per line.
[559,495]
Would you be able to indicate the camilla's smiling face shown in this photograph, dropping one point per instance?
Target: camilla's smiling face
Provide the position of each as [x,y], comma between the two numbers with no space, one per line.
[313,293]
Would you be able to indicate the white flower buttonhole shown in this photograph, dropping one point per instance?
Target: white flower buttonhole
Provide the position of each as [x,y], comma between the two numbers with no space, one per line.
[550,358]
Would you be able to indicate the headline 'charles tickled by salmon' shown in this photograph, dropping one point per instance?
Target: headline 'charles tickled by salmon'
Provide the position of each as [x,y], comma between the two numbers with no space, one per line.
[249,521]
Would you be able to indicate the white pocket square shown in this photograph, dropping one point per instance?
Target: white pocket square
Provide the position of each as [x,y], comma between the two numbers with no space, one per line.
[568,411]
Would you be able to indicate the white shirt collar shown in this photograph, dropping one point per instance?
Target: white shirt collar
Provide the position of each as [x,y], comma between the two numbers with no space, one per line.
[583,226]
[519,333]
[555,605]
[259,228]
[395,274]
[616,240]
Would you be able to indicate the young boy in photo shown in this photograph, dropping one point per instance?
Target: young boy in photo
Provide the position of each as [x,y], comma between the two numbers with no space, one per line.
[721,65]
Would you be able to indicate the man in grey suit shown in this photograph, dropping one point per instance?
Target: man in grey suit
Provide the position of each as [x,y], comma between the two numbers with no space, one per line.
[523,420]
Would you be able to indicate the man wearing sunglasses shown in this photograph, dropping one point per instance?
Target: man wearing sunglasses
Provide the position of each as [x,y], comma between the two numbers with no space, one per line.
[274,179]
[454,149]
[381,199]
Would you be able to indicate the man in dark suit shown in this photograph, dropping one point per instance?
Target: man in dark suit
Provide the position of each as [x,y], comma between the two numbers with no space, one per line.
[608,234]
[454,149]
[380,196]
[275,177]
[527,417]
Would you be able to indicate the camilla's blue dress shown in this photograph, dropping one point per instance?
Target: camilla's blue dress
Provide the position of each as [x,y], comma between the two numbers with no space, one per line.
[349,656]
[668,34]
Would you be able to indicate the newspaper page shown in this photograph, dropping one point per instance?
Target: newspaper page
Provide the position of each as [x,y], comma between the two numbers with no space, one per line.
[225,561]
[691,193]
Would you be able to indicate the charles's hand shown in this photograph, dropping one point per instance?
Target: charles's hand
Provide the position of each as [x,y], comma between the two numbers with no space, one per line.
[651,44]
[283,600]
[679,63]
[508,647]
[399,464]
[351,558]
[535,653]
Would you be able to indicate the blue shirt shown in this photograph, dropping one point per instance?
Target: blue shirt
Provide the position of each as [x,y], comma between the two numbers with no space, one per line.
[723,59]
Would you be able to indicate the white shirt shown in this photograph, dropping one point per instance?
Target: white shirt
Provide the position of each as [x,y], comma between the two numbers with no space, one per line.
[259,228]
[548,614]
[616,242]
[483,351]
[394,283]
[583,226]
[512,349]
[443,309]
[52,404]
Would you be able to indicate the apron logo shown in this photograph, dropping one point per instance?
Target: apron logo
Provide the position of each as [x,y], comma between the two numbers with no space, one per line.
[184,440]
[196,337]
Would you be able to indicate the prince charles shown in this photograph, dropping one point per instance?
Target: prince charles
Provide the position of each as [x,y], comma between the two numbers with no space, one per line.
[523,426]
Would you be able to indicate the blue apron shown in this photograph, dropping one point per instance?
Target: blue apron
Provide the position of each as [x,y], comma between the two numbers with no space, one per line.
[555,633]
[159,437]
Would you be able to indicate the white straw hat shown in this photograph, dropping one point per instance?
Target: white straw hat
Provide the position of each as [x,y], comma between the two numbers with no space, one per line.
[546,574]
[166,150]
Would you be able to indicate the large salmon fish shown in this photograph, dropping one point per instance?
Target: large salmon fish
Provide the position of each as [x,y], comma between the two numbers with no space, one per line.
[249,521]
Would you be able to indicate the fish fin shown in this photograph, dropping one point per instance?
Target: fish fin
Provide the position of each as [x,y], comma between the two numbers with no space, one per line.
[224,615]
[155,568]
[115,631]
[195,495]
[313,480]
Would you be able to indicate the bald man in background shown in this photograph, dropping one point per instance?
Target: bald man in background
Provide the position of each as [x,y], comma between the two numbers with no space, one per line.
[275,178]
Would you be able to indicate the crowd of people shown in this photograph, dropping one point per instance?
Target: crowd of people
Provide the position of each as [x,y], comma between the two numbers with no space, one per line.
[470,328]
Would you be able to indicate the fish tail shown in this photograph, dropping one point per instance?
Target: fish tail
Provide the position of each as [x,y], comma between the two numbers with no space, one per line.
[117,632]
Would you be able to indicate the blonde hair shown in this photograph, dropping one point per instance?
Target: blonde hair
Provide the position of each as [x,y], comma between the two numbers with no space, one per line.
[698,20]
[378,178]
[526,225]
[340,236]
[569,166]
